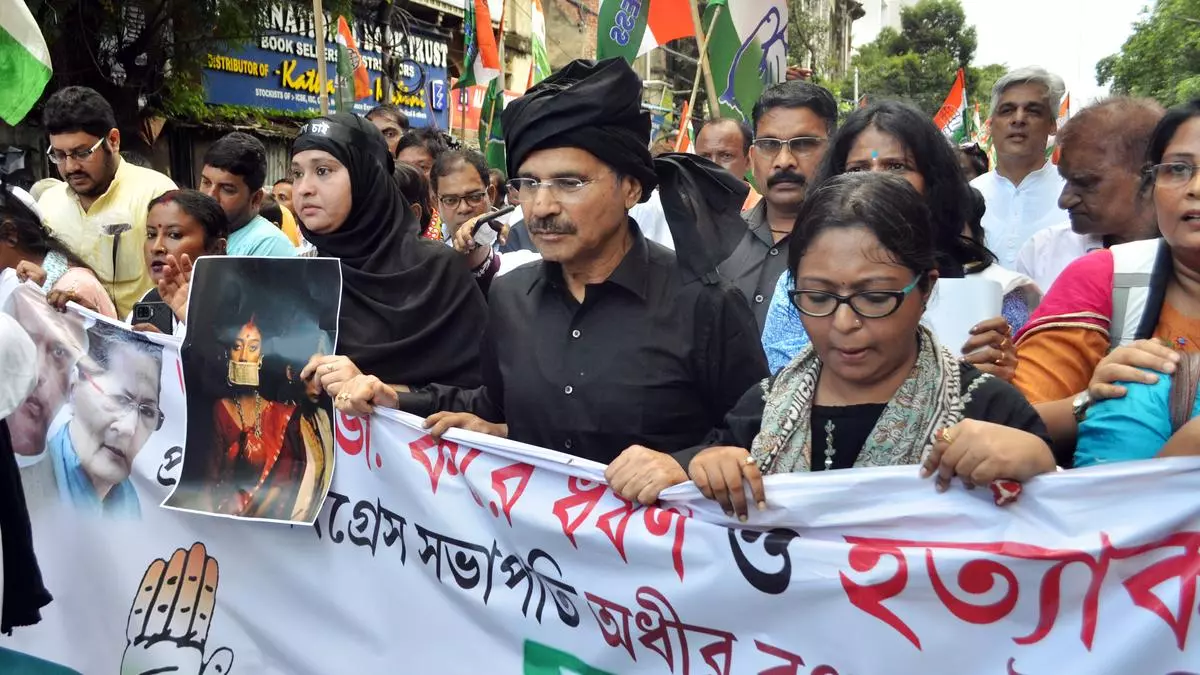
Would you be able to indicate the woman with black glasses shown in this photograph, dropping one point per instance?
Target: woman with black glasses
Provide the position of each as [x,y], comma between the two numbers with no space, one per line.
[874,388]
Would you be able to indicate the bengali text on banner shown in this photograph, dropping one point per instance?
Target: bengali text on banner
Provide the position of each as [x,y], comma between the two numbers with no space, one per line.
[480,555]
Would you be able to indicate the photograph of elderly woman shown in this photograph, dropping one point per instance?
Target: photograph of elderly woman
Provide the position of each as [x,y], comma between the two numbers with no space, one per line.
[259,440]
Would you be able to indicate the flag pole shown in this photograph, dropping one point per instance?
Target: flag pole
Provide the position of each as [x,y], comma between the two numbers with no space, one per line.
[319,26]
[702,67]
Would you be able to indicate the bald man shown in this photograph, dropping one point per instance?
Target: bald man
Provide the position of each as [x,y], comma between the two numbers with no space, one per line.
[1103,192]
[727,142]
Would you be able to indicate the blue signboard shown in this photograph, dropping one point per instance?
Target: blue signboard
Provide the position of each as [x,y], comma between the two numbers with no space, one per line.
[280,70]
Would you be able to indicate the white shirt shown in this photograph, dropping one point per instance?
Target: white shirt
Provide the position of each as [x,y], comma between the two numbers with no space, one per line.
[1017,212]
[1048,253]
[650,217]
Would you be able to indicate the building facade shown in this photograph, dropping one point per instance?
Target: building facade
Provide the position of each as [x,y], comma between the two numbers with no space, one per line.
[878,14]
[824,29]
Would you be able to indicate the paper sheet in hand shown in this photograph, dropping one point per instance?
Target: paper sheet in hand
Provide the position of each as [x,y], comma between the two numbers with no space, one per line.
[959,304]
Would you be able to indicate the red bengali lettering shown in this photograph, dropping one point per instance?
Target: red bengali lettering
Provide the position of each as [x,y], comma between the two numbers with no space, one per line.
[521,472]
[980,576]
[445,459]
[616,633]
[1185,567]
[865,554]
[658,523]
[353,436]
[616,534]
[792,667]
[976,577]
[585,494]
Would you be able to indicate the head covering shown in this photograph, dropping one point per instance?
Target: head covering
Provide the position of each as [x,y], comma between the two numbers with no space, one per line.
[597,107]
[411,312]
[591,105]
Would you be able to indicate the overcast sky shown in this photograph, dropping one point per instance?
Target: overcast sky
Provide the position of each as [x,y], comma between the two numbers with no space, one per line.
[1067,37]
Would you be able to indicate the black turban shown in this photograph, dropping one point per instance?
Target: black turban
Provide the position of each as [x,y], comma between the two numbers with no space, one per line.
[591,105]
[597,107]
[411,313]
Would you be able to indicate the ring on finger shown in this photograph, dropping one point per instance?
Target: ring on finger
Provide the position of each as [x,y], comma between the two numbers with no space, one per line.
[749,461]
[343,397]
[944,436]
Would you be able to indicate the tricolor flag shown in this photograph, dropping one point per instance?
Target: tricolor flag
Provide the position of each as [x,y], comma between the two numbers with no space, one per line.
[951,116]
[684,142]
[353,81]
[24,61]
[1064,113]
[491,135]
[540,69]
[481,62]
[747,51]
[629,29]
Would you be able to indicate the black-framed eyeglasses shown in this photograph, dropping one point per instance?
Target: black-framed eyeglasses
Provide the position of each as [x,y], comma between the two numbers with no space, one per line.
[867,304]
[561,189]
[148,414]
[472,199]
[1172,174]
[58,156]
[800,146]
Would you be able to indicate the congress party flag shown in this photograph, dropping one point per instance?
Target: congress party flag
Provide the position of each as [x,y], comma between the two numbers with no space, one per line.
[747,51]
[481,63]
[628,29]
[1053,151]
[24,61]
[540,69]
[953,112]
[491,134]
[353,82]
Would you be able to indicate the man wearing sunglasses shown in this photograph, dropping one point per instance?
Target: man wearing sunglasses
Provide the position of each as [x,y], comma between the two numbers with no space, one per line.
[116,409]
[99,212]
[792,124]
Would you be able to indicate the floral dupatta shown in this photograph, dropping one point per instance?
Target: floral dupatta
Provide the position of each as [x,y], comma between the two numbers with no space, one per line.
[929,400]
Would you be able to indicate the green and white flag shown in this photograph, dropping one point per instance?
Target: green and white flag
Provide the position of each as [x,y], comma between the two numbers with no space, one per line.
[491,135]
[540,69]
[630,28]
[24,61]
[747,51]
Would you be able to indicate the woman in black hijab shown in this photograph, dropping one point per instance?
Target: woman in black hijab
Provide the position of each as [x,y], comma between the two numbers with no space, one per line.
[411,312]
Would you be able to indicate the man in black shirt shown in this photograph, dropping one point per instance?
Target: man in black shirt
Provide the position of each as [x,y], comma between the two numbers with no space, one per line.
[792,125]
[610,343]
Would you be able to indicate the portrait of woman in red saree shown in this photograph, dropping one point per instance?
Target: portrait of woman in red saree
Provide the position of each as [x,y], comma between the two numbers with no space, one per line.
[258,462]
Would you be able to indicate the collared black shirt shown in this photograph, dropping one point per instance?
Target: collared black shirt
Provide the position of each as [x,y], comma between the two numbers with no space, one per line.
[644,359]
[756,263]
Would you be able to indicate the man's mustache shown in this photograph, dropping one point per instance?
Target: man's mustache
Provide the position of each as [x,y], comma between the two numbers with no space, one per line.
[541,226]
[787,177]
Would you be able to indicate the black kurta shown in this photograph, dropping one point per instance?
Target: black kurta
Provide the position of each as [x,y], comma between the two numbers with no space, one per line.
[989,400]
[644,359]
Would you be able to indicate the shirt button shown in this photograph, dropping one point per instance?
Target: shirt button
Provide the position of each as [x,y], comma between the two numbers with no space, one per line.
[568,389]
[774,251]
[758,299]
[567,444]
[575,333]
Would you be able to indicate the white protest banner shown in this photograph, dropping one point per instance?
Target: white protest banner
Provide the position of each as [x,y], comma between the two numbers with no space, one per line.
[957,305]
[479,555]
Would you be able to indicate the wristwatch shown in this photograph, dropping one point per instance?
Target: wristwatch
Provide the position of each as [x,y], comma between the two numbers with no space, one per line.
[1079,406]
